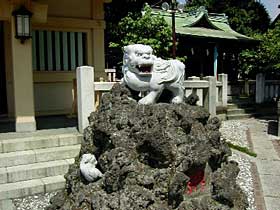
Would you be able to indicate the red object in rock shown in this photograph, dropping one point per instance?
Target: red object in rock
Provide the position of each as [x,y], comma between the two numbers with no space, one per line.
[195,180]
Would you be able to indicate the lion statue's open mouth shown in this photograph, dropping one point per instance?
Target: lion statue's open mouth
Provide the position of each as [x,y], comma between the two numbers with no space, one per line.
[143,71]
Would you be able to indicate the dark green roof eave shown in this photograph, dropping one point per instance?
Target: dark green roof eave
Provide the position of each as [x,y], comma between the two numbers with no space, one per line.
[221,38]
[186,24]
[202,39]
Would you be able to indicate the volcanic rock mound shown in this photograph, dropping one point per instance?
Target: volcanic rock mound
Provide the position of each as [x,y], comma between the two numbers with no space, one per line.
[155,157]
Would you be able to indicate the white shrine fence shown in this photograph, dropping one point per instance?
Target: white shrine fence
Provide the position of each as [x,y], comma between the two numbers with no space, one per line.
[261,89]
[212,92]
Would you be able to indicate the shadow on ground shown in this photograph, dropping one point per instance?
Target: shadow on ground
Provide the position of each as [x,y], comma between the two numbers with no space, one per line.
[272,123]
[47,122]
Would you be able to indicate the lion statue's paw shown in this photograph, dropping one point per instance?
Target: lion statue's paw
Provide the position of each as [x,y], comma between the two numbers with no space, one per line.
[146,101]
[177,100]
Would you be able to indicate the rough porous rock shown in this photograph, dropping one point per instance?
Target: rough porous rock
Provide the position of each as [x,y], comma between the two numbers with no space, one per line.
[155,157]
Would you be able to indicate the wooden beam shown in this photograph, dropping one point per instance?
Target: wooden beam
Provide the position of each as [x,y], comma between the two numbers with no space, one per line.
[98,10]
[53,77]
[54,22]
[5,10]
[40,11]
[26,3]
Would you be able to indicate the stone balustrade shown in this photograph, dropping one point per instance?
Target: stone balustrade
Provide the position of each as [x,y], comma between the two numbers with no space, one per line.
[211,92]
[266,90]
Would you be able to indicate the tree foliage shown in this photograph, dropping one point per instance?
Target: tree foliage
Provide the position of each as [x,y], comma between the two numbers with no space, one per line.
[245,16]
[117,10]
[265,58]
[142,29]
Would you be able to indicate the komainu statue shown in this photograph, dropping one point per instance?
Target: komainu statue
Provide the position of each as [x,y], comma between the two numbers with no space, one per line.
[88,168]
[145,72]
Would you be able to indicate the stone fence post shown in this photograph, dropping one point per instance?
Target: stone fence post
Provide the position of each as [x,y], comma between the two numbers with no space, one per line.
[85,95]
[260,88]
[223,78]
[278,113]
[197,91]
[210,95]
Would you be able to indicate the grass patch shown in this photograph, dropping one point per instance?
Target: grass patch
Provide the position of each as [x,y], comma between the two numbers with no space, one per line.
[242,149]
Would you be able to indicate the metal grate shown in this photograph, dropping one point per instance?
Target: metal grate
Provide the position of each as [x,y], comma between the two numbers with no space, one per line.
[57,50]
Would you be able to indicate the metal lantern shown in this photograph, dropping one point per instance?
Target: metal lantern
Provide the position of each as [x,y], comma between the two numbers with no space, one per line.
[22,23]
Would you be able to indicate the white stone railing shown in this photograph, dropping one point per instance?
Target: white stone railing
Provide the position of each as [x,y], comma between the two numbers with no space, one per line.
[242,88]
[211,92]
[266,90]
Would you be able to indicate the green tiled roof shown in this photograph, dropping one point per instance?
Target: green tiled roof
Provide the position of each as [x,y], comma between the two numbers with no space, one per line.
[217,25]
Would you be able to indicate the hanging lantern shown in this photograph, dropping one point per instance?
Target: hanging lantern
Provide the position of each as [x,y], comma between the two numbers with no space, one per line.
[22,23]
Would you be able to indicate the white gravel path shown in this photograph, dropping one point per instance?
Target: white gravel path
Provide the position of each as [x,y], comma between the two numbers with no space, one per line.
[245,179]
[234,131]
[36,202]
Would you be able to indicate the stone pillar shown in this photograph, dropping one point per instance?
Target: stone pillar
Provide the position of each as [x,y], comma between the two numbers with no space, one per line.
[23,83]
[278,113]
[210,95]
[85,95]
[198,92]
[246,87]
[260,88]
[223,78]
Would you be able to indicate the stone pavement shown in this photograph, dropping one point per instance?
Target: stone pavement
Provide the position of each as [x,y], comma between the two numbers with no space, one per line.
[7,205]
[267,162]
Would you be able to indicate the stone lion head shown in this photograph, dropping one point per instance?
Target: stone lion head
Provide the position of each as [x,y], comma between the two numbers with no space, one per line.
[88,159]
[139,59]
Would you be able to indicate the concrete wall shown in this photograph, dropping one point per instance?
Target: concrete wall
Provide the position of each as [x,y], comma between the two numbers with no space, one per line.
[53,98]
[53,92]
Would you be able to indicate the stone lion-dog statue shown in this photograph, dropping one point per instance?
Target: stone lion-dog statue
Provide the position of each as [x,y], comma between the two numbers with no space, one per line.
[145,72]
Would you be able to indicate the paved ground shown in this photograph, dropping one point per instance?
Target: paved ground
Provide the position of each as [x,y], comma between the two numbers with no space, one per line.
[267,162]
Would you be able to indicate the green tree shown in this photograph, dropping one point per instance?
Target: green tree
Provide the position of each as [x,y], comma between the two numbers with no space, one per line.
[143,29]
[265,58]
[245,16]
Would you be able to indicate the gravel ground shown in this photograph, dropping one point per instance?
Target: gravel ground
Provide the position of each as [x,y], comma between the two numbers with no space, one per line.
[245,179]
[36,202]
[233,131]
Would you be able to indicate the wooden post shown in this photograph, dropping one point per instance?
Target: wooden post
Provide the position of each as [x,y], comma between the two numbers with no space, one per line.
[215,61]
[74,103]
